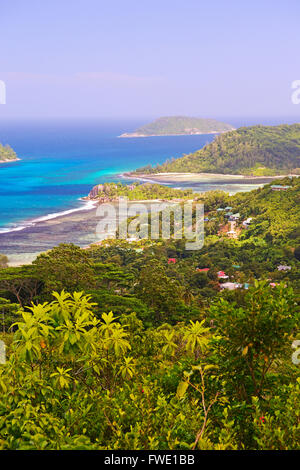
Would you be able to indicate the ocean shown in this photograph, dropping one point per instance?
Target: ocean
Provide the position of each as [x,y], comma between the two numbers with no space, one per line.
[60,161]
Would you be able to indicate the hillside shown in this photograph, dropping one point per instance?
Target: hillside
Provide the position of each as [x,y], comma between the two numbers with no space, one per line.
[131,343]
[178,125]
[257,151]
[7,153]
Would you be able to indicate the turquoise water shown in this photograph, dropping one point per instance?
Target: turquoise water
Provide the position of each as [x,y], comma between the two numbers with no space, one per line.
[61,161]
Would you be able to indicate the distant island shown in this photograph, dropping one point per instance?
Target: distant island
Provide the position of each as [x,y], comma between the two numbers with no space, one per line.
[180,125]
[7,154]
[249,151]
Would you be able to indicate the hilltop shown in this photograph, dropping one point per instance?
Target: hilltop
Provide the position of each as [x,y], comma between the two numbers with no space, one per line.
[180,125]
[254,151]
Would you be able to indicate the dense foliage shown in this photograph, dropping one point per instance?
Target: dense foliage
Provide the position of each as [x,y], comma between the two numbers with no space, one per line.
[257,150]
[180,363]
[140,191]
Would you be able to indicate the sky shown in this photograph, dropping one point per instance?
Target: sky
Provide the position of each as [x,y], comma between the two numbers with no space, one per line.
[141,59]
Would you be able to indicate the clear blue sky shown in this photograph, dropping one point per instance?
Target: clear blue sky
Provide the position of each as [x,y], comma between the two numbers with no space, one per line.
[138,58]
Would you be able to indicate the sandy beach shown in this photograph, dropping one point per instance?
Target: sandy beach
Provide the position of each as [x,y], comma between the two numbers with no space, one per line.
[9,160]
[202,178]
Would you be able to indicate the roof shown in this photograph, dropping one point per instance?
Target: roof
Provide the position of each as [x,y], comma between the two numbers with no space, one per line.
[231,285]
[279,186]
[283,267]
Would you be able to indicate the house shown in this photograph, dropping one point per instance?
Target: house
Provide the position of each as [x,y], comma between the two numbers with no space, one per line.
[283,267]
[228,208]
[231,285]
[234,217]
[220,209]
[171,260]
[278,187]
[222,275]
[232,234]
[202,270]
[247,222]
[236,266]
[234,285]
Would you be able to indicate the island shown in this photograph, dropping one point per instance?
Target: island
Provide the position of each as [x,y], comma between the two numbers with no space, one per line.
[180,125]
[255,151]
[7,154]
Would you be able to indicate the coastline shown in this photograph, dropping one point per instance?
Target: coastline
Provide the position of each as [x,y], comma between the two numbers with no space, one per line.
[89,205]
[10,160]
[131,135]
[161,178]
[24,241]
[200,177]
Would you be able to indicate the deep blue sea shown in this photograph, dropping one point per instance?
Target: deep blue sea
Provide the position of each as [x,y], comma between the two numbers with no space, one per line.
[60,162]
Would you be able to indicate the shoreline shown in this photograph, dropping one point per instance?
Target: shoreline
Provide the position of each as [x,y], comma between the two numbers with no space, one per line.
[24,241]
[200,177]
[159,178]
[89,205]
[10,160]
[132,135]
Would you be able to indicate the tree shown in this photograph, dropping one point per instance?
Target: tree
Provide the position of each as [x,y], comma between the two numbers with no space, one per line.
[158,291]
[64,267]
[3,261]
[297,253]
[253,335]
[8,312]
[21,283]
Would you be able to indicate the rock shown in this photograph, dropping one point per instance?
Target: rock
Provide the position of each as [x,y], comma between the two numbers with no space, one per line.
[95,191]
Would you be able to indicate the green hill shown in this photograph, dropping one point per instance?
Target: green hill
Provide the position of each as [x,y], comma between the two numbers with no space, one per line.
[257,150]
[177,125]
[7,153]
